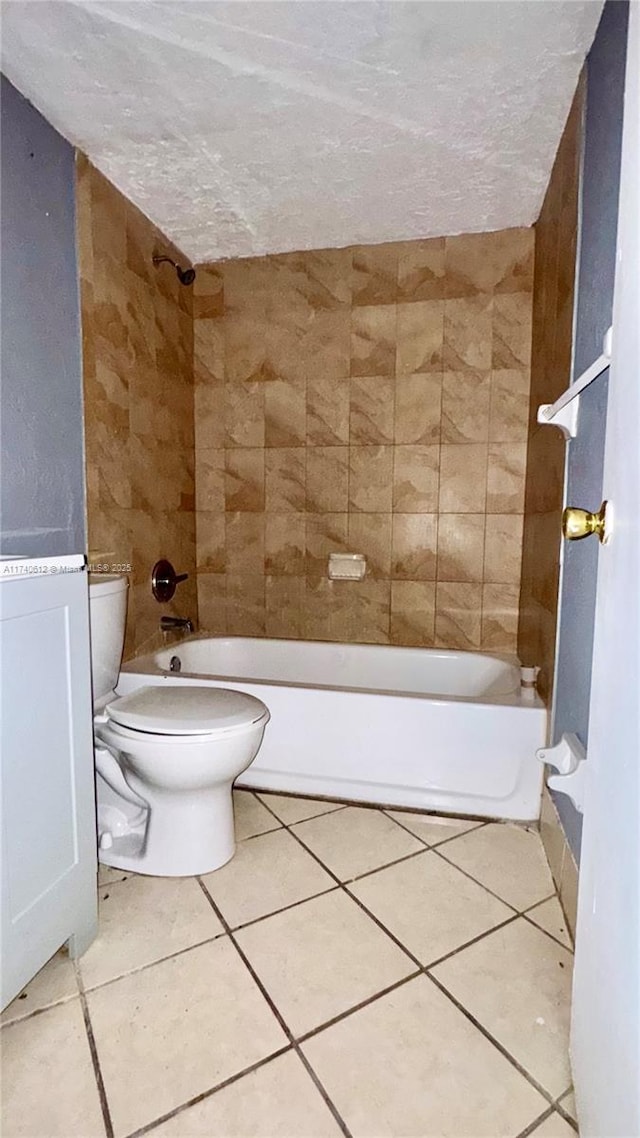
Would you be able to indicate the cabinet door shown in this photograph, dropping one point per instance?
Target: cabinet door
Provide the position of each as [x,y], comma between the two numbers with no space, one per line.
[49,864]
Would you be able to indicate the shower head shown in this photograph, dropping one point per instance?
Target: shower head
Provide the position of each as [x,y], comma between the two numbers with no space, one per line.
[185,276]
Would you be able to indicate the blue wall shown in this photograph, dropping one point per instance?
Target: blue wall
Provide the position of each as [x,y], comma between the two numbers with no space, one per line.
[42,459]
[594,307]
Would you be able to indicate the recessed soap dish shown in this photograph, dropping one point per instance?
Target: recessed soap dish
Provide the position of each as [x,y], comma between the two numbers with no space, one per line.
[347,566]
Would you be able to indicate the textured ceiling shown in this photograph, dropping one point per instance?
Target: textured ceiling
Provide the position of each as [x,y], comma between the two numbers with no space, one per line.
[254,127]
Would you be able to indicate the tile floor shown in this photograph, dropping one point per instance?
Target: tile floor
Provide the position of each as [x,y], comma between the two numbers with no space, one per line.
[380,974]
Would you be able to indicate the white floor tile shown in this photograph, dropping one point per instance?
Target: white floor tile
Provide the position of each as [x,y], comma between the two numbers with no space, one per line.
[251,817]
[568,1103]
[507,859]
[144,919]
[291,809]
[429,905]
[549,916]
[553,1127]
[430,828]
[53,984]
[174,1030]
[321,958]
[279,1100]
[354,841]
[410,1065]
[266,874]
[517,984]
[48,1085]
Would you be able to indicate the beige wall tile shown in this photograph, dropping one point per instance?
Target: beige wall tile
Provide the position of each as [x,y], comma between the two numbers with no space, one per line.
[503,548]
[412,613]
[509,418]
[373,340]
[366,611]
[372,410]
[418,400]
[415,479]
[500,616]
[414,546]
[512,330]
[244,414]
[370,478]
[458,615]
[375,274]
[489,262]
[211,541]
[506,472]
[420,337]
[244,479]
[332,360]
[421,269]
[371,534]
[210,479]
[285,413]
[246,614]
[208,350]
[285,478]
[285,536]
[465,407]
[285,607]
[212,603]
[327,410]
[463,473]
[467,333]
[245,543]
[209,409]
[325,534]
[327,479]
[460,547]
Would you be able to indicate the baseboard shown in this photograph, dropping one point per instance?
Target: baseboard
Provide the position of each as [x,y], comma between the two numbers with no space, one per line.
[561,860]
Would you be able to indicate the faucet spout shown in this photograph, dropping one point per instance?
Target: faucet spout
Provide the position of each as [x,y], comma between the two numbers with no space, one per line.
[175,623]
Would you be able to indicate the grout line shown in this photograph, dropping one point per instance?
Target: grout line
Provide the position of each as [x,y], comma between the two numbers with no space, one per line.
[496,1043]
[275,912]
[95,1060]
[441,842]
[387,865]
[564,1113]
[279,1017]
[474,940]
[359,903]
[208,1093]
[556,940]
[150,964]
[533,1126]
[358,1007]
[453,865]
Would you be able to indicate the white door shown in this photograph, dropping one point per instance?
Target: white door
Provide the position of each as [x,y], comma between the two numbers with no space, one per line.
[49,888]
[605,1039]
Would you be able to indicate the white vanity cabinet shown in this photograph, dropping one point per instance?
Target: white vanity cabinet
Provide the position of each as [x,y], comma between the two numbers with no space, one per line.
[49,864]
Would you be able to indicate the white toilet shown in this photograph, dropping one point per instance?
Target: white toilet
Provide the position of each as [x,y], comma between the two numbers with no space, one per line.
[166,757]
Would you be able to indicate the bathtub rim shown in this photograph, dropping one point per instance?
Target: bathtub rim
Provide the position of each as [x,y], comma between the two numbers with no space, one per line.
[147,665]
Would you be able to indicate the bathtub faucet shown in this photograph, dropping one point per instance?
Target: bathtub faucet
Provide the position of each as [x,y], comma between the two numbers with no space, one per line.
[173,623]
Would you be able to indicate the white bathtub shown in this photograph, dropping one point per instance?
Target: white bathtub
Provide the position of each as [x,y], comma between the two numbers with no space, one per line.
[413,727]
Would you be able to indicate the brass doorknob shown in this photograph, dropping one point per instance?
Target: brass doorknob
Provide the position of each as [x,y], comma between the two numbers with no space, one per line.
[577,523]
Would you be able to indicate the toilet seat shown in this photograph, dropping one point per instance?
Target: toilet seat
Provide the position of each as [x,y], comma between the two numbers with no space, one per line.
[188,711]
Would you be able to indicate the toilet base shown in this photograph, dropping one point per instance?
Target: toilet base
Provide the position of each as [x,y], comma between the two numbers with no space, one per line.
[186,835]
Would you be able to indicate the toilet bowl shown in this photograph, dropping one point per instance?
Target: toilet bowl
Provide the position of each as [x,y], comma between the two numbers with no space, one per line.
[166,758]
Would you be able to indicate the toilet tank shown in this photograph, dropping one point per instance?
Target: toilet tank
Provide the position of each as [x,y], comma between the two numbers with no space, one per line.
[107,617]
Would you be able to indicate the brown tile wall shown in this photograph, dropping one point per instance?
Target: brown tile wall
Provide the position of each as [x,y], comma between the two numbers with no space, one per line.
[138,390]
[555,258]
[370,400]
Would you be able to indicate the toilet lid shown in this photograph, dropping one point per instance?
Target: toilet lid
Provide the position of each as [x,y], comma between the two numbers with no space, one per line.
[169,709]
